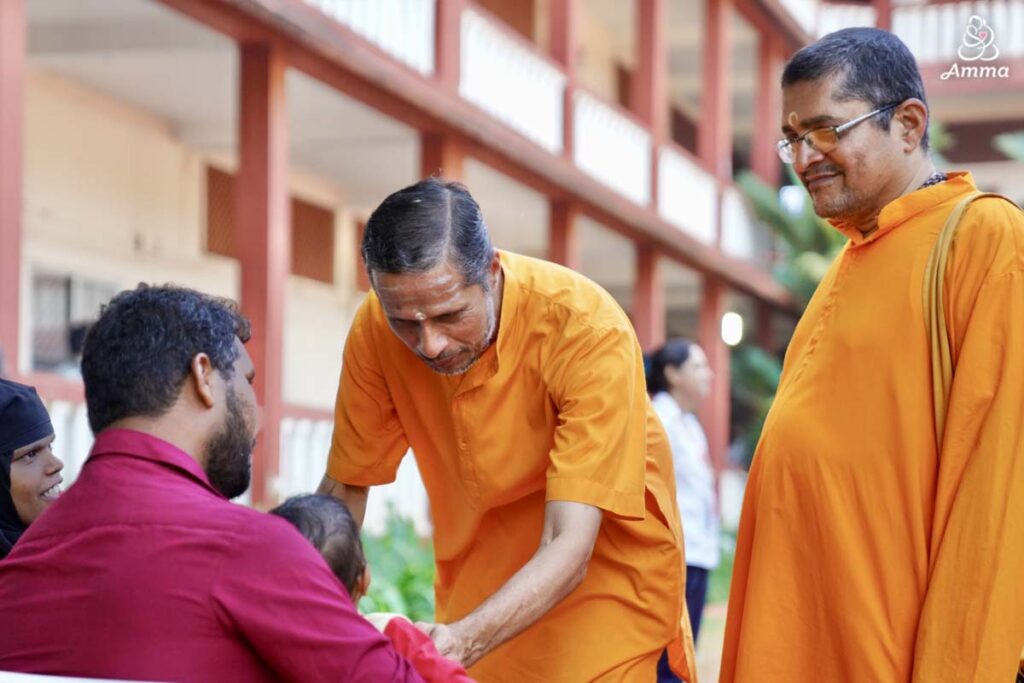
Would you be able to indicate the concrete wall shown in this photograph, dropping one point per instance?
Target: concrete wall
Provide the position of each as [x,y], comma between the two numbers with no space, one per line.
[111,194]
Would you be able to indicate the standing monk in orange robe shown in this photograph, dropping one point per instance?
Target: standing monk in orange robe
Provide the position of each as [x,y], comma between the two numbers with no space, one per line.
[519,386]
[867,550]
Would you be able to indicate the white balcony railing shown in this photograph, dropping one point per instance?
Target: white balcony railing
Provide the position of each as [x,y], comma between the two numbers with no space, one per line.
[743,236]
[805,12]
[935,33]
[836,17]
[402,28]
[687,195]
[303,456]
[305,444]
[611,148]
[507,80]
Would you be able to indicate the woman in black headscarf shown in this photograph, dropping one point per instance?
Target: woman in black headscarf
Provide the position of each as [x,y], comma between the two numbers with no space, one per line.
[29,471]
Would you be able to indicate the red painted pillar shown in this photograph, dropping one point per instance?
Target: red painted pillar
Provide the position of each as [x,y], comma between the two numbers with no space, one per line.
[441,155]
[715,412]
[649,94]
[563,245]
[714,131]
[766,327]
[447,42]
[12,113]
[263,240]
[764,156]
[714,147]
[883,10]
[650,82]
[649,299]
[562,19]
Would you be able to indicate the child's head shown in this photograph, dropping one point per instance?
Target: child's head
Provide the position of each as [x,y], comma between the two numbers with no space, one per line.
[329,526]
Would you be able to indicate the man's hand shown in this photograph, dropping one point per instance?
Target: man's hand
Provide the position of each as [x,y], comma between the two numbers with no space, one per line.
[558,566]
[449,642]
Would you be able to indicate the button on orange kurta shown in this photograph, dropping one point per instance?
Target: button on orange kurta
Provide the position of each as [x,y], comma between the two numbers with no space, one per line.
[862,554]
[556,409]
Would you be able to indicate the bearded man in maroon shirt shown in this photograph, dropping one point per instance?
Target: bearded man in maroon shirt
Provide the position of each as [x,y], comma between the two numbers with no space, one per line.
[144,569]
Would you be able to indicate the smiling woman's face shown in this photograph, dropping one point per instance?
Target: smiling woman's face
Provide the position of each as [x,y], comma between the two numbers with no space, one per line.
[35,478]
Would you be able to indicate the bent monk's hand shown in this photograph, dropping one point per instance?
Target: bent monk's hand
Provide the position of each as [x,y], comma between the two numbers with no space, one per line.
[450,642]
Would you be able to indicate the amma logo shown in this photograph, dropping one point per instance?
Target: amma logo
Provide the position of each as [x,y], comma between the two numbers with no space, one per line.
[978,45]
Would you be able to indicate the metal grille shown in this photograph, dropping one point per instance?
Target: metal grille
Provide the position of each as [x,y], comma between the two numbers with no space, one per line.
[312,229]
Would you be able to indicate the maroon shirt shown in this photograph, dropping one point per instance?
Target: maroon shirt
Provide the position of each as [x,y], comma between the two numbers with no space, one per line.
[142,570]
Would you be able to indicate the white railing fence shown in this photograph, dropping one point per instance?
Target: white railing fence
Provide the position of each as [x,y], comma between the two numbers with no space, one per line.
[402,28]
[687,195]
[743,235]
[935,33]
[836,17]
[612,148]
[805,12]
[509,81]
[305,444]
[303,455]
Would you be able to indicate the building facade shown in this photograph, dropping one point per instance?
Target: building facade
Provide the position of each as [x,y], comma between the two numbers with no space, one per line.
[237,146]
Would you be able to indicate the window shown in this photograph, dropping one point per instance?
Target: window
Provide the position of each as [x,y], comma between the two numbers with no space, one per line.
[63,308]
[312,229]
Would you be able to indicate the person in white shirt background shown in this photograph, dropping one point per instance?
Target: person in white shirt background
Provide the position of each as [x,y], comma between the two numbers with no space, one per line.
[679,379]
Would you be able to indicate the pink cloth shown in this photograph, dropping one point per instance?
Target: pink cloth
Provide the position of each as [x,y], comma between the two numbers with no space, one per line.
[142,570]
[418,648]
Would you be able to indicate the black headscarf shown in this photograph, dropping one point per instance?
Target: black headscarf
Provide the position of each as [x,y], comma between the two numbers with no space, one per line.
[23,421]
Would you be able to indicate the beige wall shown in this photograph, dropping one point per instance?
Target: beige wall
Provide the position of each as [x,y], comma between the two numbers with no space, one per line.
[111,194]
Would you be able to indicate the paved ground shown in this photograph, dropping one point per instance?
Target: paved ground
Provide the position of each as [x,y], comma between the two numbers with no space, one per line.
[709,645]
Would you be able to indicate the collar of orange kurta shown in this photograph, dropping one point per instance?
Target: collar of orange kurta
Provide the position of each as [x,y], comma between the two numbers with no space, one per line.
[902,209]
[488,364]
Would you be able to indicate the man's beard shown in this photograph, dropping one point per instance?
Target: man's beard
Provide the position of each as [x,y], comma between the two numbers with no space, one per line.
[841,203]
[838,207]
[476,351]
[229,451]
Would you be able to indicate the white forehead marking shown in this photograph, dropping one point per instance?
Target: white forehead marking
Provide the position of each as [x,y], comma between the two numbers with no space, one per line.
[420,316]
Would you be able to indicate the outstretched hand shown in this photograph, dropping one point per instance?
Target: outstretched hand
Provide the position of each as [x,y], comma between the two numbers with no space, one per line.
[449,642]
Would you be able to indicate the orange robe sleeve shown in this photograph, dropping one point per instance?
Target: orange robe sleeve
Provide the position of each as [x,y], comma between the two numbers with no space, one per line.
[600,451]
[972,623]
[368,441]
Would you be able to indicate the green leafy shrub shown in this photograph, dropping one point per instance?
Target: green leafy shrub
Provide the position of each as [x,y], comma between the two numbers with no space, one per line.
[721,576]
[402,566]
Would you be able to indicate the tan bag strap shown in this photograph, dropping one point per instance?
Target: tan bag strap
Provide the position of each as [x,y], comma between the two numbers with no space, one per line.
[934,311]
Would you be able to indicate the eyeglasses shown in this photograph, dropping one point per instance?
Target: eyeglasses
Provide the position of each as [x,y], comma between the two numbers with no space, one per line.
[824,139]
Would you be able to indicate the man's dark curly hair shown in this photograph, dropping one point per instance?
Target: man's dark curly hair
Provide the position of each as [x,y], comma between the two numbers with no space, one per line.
[137,355]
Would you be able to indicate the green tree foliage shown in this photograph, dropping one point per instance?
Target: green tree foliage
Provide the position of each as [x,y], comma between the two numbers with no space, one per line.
[807,243]
[755,378]
[1010,144]
[402,567]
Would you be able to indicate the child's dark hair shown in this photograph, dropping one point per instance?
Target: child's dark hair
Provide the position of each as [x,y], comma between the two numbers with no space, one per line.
[329,526]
